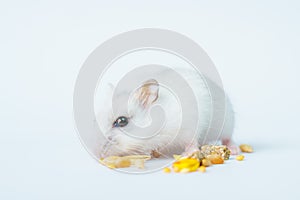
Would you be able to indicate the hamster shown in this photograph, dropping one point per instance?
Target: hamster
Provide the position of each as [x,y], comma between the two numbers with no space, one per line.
[126,116]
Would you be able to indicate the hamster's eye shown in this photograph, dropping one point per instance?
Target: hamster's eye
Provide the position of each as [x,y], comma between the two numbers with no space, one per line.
[120,122]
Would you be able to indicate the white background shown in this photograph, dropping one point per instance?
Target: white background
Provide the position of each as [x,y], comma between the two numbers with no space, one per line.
[254,44]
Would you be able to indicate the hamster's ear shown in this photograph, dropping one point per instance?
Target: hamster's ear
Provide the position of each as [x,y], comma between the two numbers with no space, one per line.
[146,94]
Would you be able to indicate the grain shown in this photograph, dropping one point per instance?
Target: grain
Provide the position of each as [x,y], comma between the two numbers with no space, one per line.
[167,170]
[240,157]
[215,159]
[246,148]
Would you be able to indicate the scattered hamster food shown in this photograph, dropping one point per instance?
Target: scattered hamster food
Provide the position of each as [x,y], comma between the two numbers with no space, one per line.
[125,161]
[186,165]
[215,159]
[199,160]
[202,169]
[207,155]
[220,150]
[205,162]
[167,170]
[240,157]
[246,148]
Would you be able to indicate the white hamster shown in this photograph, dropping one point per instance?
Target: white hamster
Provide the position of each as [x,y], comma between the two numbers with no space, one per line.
[213,115]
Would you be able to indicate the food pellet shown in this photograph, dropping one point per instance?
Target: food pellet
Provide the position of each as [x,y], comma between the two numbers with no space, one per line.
[240,157]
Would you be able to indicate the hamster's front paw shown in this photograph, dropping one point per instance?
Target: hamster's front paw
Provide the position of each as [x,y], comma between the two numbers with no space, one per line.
[232,146]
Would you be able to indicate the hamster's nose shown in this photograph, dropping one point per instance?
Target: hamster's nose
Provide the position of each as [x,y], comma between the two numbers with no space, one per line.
[109,138]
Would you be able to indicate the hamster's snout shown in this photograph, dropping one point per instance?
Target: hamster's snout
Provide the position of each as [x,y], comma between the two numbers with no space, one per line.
[110,138]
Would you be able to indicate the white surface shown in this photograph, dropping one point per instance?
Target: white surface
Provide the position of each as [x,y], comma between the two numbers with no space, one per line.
[254,45]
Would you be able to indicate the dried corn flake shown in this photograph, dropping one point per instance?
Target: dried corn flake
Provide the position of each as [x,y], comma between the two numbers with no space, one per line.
[125,161]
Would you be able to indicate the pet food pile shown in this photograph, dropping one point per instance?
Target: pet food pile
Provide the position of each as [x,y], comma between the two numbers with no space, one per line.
[206,156]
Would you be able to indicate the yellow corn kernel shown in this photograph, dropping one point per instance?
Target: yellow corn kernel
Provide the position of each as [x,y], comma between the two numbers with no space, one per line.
[167,170]
[186,165]
[202,169]
[246,148]
[240,157]
[215,159]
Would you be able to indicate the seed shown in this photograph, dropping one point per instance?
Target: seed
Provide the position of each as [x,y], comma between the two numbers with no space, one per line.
[205,162]
[240,157]
[246,148]
[155,154]
[215,159]
[202,169]
[167,170]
